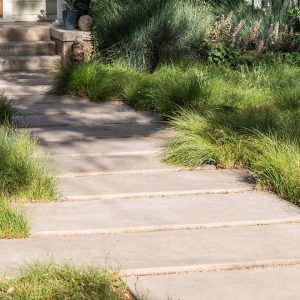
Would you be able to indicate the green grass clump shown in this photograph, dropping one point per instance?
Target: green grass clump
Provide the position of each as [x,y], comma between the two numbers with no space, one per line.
[274,160]
[23,175]
[164,91]
[51,281]
[13,224]
[7,110]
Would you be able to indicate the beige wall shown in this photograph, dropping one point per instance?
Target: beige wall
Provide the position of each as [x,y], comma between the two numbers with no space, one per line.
[33,10]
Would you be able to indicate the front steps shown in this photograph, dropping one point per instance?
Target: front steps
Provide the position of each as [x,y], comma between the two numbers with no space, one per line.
[27,48]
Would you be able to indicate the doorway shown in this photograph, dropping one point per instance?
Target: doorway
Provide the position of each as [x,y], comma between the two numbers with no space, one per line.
[1,8]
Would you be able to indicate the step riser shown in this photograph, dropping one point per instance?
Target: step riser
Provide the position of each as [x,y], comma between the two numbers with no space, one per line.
[26,34]
[29,64]
[16,49]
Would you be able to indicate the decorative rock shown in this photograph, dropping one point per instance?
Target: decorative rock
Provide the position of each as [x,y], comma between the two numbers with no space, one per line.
[77,51]
[85,23]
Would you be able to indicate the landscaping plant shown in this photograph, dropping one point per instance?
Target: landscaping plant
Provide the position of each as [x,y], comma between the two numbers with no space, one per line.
[23,175]
[146,32]
[50,281]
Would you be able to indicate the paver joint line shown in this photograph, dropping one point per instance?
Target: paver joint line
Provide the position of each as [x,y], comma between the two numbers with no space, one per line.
[210,268]
[120,230]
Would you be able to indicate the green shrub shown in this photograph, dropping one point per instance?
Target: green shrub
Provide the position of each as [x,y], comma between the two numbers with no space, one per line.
[23,175]
[50,281]
[145,32]
[13,224]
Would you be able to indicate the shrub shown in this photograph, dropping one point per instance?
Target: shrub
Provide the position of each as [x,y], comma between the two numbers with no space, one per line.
[23,175]
[51,281]
[145,32]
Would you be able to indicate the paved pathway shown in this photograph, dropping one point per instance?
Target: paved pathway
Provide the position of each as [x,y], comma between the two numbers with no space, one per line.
[202,234]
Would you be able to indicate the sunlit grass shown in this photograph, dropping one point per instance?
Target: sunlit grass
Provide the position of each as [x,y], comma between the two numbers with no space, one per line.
[51,281]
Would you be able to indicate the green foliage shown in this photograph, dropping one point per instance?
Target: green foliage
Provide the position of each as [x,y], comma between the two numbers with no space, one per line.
[241,26]
[51,281]
[163,91]
[7,111]
[23,175]
[146,32]
[13,224]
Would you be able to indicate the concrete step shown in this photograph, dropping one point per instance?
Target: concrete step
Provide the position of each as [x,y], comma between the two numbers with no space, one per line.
[84,119]
[71,133]
[27,48]
[142,253]
[74,107]
[73,119]
[158,213]
[103,147]
[24,33]
[153,184]
[280,283]
[118,164]
[28,101]
[29,63]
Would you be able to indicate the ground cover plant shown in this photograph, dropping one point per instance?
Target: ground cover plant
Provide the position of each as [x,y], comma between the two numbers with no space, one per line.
[13,223]
[51,281]
[23,175]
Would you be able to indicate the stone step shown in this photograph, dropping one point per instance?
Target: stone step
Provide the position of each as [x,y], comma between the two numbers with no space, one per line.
[118,164]
[29,63]
[71,133]
[85,119]
[153,184]
[158,213]
[159,250]
[27,48]
[24,33]
[32,84]
[103,147]
[278,283]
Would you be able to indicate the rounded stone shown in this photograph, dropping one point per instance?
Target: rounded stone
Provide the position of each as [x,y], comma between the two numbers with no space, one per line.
[85,23]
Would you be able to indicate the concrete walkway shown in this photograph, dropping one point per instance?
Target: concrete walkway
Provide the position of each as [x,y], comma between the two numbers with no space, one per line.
[171,232]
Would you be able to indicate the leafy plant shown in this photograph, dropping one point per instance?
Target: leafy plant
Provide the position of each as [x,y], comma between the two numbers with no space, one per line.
[70,5]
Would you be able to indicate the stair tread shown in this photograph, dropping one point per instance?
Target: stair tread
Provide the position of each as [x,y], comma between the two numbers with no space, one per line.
[159,249]
[151,184]
[158,212]
[272,283]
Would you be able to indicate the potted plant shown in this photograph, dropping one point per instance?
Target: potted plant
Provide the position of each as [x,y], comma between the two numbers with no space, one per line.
[70,14]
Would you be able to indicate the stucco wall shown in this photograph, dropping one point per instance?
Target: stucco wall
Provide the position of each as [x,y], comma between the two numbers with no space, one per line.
[32,10]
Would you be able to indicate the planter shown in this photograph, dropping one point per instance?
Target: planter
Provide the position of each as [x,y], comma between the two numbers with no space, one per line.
[70,18]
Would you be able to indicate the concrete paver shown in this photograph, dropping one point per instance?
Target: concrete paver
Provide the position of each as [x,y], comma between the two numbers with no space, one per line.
[89,165]
[281,283]
[147,212]
[169,183]
[160,249]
